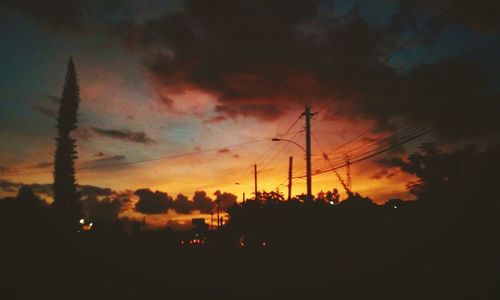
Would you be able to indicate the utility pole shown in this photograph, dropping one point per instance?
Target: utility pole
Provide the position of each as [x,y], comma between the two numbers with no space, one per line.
[243,197]
[348,169]
[290,162]
[255,179]
[218,212]
[308,116]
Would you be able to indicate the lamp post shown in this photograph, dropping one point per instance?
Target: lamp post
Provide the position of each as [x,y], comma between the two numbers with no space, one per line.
[290,141]
[309,197]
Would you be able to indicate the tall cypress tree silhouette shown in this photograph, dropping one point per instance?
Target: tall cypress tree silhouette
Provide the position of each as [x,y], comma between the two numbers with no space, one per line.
[66,198]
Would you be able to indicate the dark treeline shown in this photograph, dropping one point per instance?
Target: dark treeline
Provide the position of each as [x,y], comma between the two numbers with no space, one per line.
[441,245]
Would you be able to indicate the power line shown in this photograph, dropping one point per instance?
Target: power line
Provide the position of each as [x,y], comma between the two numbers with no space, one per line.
[410,19]
[384,137]
[405,43]
[145,160]
[383,142]
[341,180]
[375,153]
[415,37]
[268,152]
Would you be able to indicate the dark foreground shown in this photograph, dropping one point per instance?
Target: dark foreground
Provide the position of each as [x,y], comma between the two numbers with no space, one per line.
[153,265]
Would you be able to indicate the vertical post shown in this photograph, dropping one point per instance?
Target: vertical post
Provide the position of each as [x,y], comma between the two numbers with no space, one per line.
[243,197]
[308,115]
[255,179]
[290,163]
[348,170]
[218,211]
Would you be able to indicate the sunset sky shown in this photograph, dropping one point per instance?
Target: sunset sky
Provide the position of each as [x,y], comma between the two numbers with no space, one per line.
[164,78]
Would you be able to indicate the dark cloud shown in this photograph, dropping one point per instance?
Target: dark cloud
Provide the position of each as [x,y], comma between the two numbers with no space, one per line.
[8,186]
[42,189]
[236,156]
[202,202]
[125,135]
[99,204]
[45,189]
[99,154]
[482,16]
[37,188]
[225,200]
[54,99]
[101,162]
[384,174]
[105,210]
[294,54]
[160,202]
[27,198]
[43,165]
[182,204]
[223,151]
[123,195]
[69,16]
[386,162]
[125,199]
[48,112]
[94,190]
[83,133]
[215,119]
[450,95]
[152,202]
[262,58]
[219,47]
[55,14]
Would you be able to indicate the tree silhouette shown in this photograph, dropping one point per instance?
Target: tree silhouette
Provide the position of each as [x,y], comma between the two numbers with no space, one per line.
[66,198]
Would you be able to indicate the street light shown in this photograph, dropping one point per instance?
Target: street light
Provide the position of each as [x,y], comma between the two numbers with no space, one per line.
[308,158]
[290,141]
[307,114]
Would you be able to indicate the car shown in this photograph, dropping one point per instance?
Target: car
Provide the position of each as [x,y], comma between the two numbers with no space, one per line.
[252,241]
[84,226]
[195,240]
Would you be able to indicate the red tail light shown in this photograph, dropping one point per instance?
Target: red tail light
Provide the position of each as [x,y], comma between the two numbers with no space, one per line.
[242,244]
[264,244]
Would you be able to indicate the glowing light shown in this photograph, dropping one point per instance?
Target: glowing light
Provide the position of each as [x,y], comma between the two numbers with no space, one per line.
[395,206]
[82,221]
[331,202]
